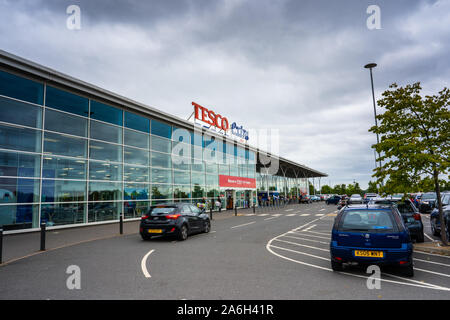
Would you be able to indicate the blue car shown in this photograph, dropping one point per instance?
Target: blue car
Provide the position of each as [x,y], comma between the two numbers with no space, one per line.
[371,234]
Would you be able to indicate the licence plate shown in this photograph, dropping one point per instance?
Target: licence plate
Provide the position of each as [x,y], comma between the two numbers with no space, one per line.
[369,254]
[154,230]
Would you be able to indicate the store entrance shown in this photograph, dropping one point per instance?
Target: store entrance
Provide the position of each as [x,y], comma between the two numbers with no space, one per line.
[230,199]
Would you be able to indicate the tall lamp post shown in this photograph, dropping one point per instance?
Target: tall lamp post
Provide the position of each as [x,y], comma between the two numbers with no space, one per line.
[370,66]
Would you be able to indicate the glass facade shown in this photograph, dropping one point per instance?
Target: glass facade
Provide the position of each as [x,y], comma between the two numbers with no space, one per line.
[66,159]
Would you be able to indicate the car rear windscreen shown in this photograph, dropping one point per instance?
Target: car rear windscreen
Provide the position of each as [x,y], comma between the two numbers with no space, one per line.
[158,211]
[367,221]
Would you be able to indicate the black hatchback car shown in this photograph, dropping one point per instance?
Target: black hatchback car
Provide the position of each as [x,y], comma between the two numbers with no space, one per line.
[176,219]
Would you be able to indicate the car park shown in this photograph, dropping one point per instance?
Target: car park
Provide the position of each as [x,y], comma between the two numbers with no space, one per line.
[370,196]
[355,199]
[333,199]
[315,198]
[177,219]
[427,202]
[435,220]
[371,234]
[305,199]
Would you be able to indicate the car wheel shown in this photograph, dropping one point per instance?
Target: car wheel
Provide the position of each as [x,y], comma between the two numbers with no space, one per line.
[336,266]
[420,237]
[207,227]
[146,237]
[433,228]
[408,271]
[183,233]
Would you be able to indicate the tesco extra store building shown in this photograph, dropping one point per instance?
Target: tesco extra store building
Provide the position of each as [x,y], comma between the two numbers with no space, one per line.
[73,154]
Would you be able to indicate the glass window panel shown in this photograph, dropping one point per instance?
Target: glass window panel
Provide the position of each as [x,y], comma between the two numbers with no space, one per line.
[16,112]
[181,149]
[105,151]
[212,179]
[234,171]
[198,178]
[105,171]
[212,192]
[136,139]
[63,191]
[197,152]
[162,145]
[181,177]
[136,156]
[161,129]
[182,191]
[19,165]
[66,101]
[21,88]
[181,163]
[19,190]
[104,211]
[136,192]
[62,168]
[137,174]
[161,176]
[65,146]
[106,132]
[198,191]
[137,122]
[105,191]
[62,213]
[211,168]
[20,215]
[161,191]
[135,209]
[65,123]
[161,160]
[106,113]
[21,139]
[197,140]
[198,167]
[224,170]
[182,135]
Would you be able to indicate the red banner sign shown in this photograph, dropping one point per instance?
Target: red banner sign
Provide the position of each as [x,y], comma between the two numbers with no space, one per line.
[237,182]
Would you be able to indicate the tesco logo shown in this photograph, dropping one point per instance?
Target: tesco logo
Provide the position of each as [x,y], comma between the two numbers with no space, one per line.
[210,117]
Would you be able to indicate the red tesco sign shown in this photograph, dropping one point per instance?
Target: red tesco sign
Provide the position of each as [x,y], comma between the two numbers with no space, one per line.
[210,117]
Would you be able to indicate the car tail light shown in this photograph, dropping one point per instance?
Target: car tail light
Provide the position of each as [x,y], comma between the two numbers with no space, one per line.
[144,217]
[173,216]
[338,259]
[403,262]
[417,217]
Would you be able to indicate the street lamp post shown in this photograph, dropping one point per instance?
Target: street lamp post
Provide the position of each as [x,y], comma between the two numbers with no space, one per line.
[370,66]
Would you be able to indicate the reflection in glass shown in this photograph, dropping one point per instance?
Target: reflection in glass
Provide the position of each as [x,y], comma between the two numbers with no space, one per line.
[161,176]
[161,129]
[136,139]
[181,191]
[105,191]
[136,192]
[21,139]
[66,101]
[63,213]
[160,191]
[136,156]
[161,144]
[136,174]
[104,211]
[161,160]
[105,171]
[65,123]
[181,177]
[135,209]
[19,190]
[198,191]
[21,113]
[63,168]
[63,191]
[16,164]
[22,216]
[106,132]
[106,113]
[65,146]
[137,122]
[105,151]
[21,88]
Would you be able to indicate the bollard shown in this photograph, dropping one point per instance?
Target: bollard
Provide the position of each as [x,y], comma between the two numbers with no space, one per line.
[235,211]
[121,224]
[210,213]
[254,209]
[43,229]
[1,245]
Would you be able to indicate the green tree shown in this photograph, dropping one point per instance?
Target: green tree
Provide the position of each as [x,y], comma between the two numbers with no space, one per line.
[372,188]
[414,140]
[326,189]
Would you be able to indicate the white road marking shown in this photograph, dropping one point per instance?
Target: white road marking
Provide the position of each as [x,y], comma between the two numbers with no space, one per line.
[433,272]
[291,215]
[263,215]
[144,264]
[319,214]
[270,218]
[308,235]
[315,232]
[432,262]
[276,215]
[310,240]
[302,245]
[432,254]
[304,253]
[289,210]
[322,209]
[429,237]
[309,228]
[241,225]
[305,214]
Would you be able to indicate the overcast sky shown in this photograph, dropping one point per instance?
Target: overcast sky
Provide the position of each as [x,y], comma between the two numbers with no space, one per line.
[295,66]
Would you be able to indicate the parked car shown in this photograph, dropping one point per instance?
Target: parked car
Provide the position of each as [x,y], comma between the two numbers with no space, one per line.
[427,202]
[355,199]
[315,198]
[370,196]
[410,215]
[305,199]
[333,200]
[371,234]
[177,219]
[435,220]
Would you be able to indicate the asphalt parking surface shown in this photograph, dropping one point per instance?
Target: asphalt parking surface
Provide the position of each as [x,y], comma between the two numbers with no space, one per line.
[280,254]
